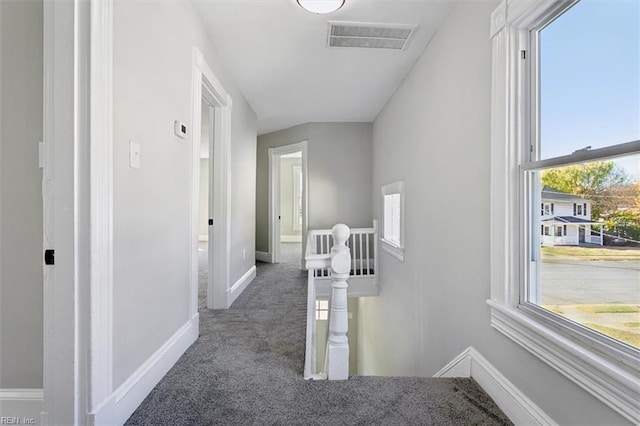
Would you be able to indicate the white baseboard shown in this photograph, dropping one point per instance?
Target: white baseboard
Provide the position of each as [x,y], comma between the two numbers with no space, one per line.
[290,238]
[21,406]
[240,285]
[264,257]
[134,390]
[515,404]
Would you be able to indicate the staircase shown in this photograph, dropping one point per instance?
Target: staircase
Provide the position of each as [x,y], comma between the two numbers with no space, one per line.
[246,369]
[341,263]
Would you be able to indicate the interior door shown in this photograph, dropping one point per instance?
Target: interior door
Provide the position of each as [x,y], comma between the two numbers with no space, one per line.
[210,252]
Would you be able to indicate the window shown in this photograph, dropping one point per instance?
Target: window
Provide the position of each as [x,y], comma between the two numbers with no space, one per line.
[547,209]
[322,310]
[392,238]
[556,125]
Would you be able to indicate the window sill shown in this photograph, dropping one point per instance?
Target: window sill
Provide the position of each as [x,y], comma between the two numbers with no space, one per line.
[602,377]
[392,249]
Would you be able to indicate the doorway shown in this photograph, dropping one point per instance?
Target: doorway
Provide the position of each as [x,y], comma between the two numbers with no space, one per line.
[288,195]
[205,211]
[211,138]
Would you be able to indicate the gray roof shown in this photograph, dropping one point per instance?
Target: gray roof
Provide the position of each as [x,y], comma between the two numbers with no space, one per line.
[551,194]
[568,219]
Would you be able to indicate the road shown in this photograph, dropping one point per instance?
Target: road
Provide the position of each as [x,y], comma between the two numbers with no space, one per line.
[578,282]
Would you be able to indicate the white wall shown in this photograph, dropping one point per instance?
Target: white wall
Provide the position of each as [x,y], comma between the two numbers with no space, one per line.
[203,215]
[153,45]
[21,49]
[339,160]
[286,196]
[434,134]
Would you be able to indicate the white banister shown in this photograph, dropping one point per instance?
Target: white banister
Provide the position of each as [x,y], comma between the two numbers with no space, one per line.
[362,275]
[337,358]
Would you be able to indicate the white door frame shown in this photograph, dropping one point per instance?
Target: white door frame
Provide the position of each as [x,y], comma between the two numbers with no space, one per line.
[78,200]
[274,196]
[205,83]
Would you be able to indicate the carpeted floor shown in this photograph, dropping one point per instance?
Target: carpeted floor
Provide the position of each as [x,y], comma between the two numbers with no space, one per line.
[246,369]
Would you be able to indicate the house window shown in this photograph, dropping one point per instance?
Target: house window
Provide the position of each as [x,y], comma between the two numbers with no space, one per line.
[392,238]
[555,125]
[559,230]
[322,310]
[547,209]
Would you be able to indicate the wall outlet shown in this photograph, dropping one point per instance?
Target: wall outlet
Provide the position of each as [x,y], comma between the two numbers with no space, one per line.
[134,155]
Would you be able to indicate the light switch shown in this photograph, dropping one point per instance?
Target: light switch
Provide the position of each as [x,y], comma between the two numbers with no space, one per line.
[134,155]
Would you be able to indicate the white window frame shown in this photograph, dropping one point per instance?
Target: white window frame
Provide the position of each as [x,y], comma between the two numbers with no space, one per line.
[600,366]
[394,248]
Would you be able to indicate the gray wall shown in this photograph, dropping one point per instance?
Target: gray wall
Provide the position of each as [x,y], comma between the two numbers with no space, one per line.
[339,162]
[21,50]
[434,134]
[286,196]
[153,45]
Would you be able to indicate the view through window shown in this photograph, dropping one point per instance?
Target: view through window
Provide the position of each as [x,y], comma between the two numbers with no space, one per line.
[585,226]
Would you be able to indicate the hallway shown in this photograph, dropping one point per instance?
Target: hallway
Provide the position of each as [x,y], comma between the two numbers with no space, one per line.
[246,368]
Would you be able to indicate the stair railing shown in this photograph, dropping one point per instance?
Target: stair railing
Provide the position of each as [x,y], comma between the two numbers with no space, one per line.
[337,263]
[337,358]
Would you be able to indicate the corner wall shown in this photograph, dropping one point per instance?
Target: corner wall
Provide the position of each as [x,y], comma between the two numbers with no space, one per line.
[434,134]
[339,175]
[153,48]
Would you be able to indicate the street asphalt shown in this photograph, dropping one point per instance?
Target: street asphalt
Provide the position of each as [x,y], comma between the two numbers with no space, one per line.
[587,282]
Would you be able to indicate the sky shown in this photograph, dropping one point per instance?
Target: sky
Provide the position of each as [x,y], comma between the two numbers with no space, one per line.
[590,79]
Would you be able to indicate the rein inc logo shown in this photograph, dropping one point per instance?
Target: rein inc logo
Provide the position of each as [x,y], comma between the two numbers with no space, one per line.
[4,420]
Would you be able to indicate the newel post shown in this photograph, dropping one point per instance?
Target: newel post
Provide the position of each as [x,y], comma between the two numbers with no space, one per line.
[337,343]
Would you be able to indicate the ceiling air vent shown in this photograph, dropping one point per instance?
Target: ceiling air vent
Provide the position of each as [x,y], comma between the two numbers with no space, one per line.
[369,36]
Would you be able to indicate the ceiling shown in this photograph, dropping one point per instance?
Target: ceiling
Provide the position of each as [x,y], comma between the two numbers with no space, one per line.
[278,55]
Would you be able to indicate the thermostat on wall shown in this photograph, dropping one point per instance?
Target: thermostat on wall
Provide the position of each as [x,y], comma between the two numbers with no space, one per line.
[180,129]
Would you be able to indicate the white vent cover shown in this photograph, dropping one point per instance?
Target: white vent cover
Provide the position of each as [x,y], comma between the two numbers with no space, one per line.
[370,36]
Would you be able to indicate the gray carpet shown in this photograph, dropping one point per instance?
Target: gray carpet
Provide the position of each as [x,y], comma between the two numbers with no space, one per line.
[246,369]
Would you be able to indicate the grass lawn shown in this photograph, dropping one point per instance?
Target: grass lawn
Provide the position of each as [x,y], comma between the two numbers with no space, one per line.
[609,309]
[621,322]
[628,337]
[591,253]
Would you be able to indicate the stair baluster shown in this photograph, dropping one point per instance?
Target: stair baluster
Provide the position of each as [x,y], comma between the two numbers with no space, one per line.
[337,358]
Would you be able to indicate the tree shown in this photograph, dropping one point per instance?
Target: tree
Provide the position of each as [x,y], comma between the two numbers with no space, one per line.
[604,183]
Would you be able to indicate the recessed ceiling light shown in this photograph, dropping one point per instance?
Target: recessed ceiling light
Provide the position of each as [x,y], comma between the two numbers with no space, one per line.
[321,6]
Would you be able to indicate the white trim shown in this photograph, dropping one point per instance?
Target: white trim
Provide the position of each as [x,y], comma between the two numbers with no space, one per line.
[515,404]
[21,403]
[612,384]
[263,256]
[240,285]
[396,250]
[291,238]
[606,373]
[67,209]
[392,249]
[220,233]
[274,155]
[203,238]
[124,401]
[22,395]
[101,166]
